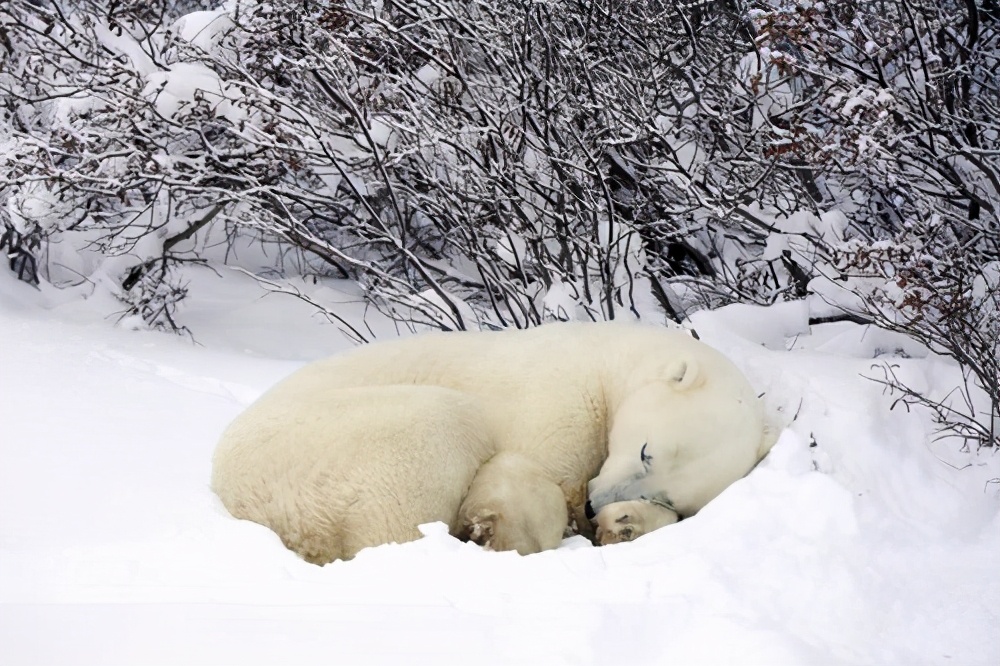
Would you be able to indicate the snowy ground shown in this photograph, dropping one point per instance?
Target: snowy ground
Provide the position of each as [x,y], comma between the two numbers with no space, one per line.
[872,546]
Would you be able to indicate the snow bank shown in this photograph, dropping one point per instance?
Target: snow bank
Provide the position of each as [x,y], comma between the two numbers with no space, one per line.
[857,541]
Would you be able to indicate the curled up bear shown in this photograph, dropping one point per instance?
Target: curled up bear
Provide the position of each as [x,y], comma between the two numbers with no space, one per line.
[503,436]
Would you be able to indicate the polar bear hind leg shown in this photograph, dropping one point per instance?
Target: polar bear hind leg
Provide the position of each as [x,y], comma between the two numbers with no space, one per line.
[361,467]
[514,505]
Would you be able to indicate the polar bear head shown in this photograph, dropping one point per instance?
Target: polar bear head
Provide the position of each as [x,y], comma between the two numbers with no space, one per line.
[679,440]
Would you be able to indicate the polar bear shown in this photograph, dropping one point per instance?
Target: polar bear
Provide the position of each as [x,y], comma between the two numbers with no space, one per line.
[496,434]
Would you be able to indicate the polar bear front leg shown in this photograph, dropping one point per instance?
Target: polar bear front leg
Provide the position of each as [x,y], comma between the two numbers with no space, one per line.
[626,521]
[513,505]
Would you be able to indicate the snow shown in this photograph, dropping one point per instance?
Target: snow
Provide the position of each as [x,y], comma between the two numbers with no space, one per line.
[560,301]
[173,89]
[859,540]
[204,29]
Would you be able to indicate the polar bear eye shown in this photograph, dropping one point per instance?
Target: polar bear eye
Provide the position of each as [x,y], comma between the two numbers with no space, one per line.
[646,459]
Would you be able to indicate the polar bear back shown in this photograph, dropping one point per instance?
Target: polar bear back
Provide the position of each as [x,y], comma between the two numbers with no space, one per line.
[548,389]
[542,387]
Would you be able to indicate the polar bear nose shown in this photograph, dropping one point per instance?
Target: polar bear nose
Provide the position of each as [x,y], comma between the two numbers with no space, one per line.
[588,510]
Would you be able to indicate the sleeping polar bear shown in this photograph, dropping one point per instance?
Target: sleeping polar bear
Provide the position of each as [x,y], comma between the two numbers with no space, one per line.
[496,434]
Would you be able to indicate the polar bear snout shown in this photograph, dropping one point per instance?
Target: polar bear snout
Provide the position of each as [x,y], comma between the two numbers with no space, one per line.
[623,478]
[632,488]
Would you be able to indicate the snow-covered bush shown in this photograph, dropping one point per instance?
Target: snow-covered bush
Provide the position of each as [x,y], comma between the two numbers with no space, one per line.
[99,183]
[891,111]
[477,164]
[469,165]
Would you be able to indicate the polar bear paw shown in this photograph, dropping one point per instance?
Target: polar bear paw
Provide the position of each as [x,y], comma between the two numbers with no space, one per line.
[627,521]
[481,529]
[619,530]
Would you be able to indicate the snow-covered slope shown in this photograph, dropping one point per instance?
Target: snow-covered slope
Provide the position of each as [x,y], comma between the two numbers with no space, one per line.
[857,541]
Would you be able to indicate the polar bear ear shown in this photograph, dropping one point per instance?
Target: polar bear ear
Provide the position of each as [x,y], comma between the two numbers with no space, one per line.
[684,375]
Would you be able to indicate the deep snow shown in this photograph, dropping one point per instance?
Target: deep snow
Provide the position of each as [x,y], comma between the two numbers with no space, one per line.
[857,541]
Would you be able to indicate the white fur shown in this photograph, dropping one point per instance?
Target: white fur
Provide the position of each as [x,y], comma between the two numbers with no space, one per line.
[495,434]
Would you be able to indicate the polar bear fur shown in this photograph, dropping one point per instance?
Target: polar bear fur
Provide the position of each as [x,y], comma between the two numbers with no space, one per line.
[497,434]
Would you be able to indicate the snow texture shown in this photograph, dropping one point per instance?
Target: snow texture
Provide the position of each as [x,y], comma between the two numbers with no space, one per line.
[859,540]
